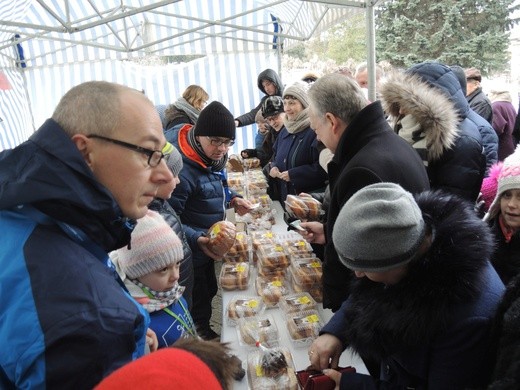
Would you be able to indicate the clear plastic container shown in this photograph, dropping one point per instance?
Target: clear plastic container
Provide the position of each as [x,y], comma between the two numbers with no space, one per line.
[297,302]
[304,327]
[239,252]
[258,329]
[234,276]
[243,307]
[271,289]
[306,271]
[272,258]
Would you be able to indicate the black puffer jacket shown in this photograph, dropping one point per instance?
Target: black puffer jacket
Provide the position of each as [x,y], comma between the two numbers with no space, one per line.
[461,168]
[272,76]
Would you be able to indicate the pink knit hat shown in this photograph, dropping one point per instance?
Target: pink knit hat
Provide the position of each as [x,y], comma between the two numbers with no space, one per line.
[154,246]
[490,184]
[508,179]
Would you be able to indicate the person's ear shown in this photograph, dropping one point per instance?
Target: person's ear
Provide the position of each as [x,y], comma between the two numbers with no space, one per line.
[84,145]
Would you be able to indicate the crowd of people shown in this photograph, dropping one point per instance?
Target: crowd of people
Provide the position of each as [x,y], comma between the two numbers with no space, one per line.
[107,274]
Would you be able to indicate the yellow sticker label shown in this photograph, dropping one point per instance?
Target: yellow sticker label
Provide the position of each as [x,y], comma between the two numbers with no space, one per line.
[304,300]
[240,268]
[315,264]
[259,371]
[313,318]
[278,248]
[276,283]
[253,303]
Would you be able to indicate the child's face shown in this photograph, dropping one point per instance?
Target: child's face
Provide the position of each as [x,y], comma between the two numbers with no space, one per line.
[162,280]
[510,208]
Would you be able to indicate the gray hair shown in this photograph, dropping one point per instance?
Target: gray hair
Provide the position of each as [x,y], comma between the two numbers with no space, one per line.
[337,94]
[93,107]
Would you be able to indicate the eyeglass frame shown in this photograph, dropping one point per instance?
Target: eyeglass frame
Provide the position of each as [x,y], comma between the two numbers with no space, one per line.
[165,152]
[218,142]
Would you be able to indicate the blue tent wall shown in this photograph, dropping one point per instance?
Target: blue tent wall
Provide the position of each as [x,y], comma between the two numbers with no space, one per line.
[228,78]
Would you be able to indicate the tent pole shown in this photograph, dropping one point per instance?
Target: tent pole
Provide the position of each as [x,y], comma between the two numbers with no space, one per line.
[371,50]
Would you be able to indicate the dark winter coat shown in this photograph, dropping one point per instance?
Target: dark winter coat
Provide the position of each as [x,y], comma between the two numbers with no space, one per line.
[506,258]
[507,326]
[186,277]
[489,138]
[298,153]
[460,169]
[199,199]
[368,152]
[454,162]
[66,322]
[431,330]
[480,103]
[504,117]
[268,74]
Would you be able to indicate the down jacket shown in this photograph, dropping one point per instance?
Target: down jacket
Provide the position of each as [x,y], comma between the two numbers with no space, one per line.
[66,322]
[453,156]
[433,329]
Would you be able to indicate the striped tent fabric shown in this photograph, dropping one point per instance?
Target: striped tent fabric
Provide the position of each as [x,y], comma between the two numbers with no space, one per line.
[48,46]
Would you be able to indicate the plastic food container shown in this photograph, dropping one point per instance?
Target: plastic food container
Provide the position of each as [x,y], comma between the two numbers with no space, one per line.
[234,276]
[243,307]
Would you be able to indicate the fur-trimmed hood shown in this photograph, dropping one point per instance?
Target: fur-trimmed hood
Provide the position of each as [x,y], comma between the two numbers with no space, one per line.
[432,109]
[385,319]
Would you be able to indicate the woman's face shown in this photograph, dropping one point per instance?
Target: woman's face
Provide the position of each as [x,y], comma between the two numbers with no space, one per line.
[292,107]
[510,208]
[269,87]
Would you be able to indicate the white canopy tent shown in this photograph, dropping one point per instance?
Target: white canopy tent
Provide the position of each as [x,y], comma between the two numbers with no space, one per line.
[48,46]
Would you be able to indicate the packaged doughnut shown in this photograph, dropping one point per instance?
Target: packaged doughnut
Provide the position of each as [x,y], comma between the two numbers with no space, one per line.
[304,327]
[234,276]
[239,252]
[243,307]
[272,258]
[258,329]
[297,302]
[271,289]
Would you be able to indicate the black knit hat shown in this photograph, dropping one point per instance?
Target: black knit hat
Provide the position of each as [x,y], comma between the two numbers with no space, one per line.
[215,120]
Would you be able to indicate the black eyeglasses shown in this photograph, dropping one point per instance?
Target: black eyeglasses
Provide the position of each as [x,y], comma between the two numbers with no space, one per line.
[219,142]
[154,156]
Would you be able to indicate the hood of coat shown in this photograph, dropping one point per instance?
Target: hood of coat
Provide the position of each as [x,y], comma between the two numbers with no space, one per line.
[386,319]
[273,77]
[431,108]
[48,172]
[442,77]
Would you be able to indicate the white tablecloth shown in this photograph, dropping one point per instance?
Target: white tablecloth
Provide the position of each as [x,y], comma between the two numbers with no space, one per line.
[301,361]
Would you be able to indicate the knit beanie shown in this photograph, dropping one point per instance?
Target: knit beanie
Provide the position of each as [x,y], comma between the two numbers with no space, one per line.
[215,120]
[299,91]
[488,189]
[167,368]
[508,179]
[174,162]
[273,105]
[154,246]
[379,228]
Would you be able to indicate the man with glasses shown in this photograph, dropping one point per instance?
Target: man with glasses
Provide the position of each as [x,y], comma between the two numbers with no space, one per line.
[68,196]
[202,196]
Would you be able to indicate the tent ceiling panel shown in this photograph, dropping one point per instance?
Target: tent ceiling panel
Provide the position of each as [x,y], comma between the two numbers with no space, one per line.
[122,29]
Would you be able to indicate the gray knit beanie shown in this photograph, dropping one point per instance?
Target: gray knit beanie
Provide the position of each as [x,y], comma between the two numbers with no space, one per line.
[174,162]
[154,246]
[299,91]
[380,227]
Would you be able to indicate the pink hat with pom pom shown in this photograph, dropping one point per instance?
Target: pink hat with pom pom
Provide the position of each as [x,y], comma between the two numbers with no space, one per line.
[489,186]
[508,179]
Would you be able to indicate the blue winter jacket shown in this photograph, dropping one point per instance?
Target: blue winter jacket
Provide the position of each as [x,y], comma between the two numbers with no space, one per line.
[467,156]
[65,320]
[200,199]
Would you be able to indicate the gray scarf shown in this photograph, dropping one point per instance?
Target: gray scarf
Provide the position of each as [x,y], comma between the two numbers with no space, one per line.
[300,123]
[215,166]
[192,112]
